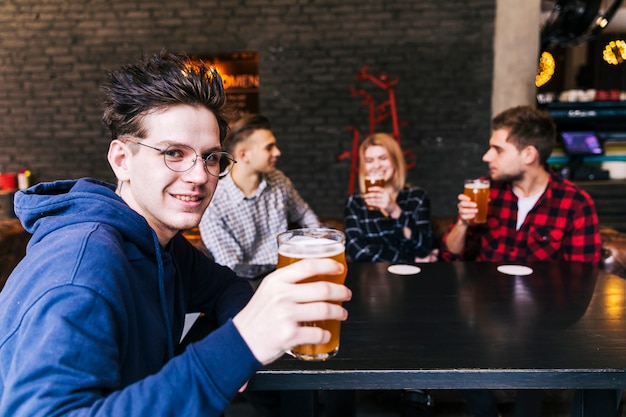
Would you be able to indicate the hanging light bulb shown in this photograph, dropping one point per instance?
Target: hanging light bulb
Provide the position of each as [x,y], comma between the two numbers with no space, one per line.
[614,52]
[545,69]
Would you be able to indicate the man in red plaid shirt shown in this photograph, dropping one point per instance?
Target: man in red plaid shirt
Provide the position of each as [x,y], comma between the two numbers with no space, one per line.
[533,215]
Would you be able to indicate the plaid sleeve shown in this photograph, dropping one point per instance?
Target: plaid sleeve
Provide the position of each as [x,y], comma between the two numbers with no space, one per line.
[298,211]
[472,244]
[583,243]
[218,238]
[368,233]
[415,206]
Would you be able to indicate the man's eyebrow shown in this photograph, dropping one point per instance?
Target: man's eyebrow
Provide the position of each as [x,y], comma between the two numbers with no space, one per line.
[213,149]
[173,142]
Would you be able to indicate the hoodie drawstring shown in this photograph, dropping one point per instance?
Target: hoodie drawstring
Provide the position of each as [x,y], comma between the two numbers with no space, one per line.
[166,317]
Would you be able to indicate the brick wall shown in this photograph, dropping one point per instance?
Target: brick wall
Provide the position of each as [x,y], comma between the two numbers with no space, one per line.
[53,56]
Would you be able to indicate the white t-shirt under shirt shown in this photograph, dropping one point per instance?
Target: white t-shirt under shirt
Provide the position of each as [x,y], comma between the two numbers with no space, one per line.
[524,205]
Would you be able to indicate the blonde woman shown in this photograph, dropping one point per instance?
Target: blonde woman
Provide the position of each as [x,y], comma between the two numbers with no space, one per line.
[389,223]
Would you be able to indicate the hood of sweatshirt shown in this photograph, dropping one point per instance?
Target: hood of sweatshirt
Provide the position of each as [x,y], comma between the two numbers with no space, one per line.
[47,207]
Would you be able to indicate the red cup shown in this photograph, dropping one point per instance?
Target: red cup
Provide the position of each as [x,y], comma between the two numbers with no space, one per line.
[8,181]
[614,95]
[602,95]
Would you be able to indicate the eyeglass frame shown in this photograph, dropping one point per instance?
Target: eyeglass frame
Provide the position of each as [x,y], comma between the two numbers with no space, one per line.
[226,154]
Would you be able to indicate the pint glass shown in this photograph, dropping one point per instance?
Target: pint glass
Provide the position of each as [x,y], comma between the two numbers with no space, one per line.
[373,180]
[478,191]
[298,244]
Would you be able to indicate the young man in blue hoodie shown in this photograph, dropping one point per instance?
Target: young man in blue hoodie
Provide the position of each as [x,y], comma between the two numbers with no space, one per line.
[92,314]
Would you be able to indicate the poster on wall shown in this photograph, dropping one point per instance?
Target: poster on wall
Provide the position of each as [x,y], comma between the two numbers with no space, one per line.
[239,72]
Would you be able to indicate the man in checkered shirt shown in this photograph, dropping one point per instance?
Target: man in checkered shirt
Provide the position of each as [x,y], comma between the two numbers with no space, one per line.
[533,215]
[255,202]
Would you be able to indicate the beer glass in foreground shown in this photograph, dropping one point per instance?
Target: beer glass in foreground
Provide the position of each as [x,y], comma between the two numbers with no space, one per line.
[298,244]
[478,191]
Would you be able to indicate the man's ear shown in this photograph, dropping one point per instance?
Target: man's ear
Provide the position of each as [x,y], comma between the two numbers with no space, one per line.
[241,153]
[119,159]
[530,155]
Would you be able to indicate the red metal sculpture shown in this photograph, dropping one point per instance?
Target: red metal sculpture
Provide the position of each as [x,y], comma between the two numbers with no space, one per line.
[377,114]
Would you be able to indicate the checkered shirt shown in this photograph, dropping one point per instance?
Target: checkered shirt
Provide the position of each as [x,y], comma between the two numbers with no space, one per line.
[563,225]
[372,237]
[239,229]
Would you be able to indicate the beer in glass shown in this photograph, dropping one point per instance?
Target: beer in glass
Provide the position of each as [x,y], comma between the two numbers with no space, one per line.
[295,245]
[373,179]
[478,191]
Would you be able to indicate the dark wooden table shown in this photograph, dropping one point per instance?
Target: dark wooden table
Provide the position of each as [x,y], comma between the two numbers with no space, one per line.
[466,325]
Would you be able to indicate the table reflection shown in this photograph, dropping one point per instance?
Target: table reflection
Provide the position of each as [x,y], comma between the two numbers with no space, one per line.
[514,309]
[376,290]
[496,315]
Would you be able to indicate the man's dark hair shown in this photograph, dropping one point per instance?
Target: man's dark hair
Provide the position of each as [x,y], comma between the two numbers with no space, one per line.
[243,127]
[528,127]
[157,83]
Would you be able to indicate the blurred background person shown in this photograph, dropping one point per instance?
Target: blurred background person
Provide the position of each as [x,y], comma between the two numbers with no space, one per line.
[255,202]
[388,223]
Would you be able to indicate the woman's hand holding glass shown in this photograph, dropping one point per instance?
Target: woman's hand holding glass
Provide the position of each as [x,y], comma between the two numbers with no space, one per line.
[381,199]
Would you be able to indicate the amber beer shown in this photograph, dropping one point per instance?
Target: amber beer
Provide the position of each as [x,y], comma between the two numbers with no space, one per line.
[298,244]
[478,191]
[373,180]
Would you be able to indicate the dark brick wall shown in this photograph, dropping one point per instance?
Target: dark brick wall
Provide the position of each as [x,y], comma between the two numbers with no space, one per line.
[53,56]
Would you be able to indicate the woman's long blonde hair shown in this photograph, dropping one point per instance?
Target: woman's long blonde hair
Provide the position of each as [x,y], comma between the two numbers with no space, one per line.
[395,155]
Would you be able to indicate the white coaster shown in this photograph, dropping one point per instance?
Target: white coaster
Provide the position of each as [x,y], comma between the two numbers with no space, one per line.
[517,270]
[404,269]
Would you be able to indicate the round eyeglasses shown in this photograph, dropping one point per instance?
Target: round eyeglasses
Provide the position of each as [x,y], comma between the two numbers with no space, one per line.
[181,158]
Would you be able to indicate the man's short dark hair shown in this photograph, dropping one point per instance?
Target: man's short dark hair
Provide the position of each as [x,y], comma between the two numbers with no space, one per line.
[243,127]
[528,126]
[157,83]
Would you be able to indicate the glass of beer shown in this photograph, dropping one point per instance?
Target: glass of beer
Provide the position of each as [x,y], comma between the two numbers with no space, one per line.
[295,245]
[478,191]
[373,179]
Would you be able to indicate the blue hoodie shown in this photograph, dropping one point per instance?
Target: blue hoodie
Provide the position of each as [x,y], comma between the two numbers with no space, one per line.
[92,314]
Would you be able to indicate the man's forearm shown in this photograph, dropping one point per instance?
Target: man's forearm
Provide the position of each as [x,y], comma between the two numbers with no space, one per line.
[455,241]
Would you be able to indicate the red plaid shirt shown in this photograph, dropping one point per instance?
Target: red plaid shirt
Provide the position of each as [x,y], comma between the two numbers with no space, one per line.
[563,225]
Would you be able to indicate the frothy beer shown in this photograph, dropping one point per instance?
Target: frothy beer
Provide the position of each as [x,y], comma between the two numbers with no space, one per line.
[478,191]
[299,244]
[373,181]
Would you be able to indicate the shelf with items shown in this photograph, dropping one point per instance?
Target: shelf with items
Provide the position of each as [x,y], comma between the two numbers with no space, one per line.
[582,156]
[591,159]
[589,167]
[606,118]
[609,197]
